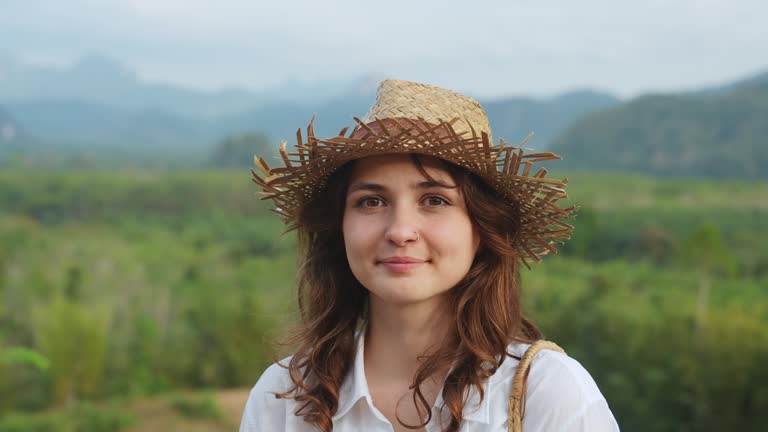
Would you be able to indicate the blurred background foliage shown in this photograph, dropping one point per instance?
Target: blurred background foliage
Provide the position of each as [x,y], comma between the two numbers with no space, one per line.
[124,284]
[142,280]
[143,283]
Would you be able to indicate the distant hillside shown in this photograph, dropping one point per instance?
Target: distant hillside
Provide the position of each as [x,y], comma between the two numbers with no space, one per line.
[83,125]
[101,106]
[514,118]
[281,121]
[721,132]
[101,80]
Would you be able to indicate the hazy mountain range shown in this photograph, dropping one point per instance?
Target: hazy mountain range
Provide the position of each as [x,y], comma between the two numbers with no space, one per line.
[103,81]
[719,132]
[100,103]
[100,106]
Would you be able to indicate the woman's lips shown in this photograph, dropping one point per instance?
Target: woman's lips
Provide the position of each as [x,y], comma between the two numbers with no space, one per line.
[401,264]
[400,267]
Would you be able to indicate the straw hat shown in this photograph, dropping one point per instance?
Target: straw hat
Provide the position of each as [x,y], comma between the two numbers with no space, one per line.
[409,117]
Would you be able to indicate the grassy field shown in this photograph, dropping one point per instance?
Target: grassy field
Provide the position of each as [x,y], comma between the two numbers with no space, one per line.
[159,414]
[172,286]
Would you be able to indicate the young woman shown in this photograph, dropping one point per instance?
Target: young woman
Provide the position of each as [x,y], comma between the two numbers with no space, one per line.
[411,232]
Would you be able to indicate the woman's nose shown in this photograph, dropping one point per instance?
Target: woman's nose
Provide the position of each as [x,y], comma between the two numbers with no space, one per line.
[403,227]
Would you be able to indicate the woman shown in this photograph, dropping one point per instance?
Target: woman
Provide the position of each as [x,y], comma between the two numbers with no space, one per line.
[411,231]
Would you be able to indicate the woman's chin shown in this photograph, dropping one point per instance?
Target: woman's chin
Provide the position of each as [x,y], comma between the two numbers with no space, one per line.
[406,294]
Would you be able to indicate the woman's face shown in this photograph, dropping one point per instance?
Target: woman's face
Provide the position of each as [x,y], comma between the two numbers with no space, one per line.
[407,239]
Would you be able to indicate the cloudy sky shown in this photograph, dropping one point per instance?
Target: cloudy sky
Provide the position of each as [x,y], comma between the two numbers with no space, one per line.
[484,48]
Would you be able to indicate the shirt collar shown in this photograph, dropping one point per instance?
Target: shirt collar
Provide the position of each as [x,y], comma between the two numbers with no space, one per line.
[355,387]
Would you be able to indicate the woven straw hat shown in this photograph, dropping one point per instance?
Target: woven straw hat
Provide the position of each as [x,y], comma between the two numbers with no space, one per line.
[409,117]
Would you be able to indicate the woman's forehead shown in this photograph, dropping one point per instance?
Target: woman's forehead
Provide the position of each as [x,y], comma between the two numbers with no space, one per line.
[391,166]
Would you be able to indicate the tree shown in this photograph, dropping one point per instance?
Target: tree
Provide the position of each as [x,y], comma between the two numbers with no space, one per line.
[704,251]
[238,151]
[73,337]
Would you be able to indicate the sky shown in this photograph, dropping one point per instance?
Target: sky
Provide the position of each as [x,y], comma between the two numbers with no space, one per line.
[482,48]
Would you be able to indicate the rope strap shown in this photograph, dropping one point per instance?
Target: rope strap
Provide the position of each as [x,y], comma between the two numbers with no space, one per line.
[517,395]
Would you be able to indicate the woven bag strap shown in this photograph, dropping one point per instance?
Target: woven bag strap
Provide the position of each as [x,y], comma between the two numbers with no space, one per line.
[517,395]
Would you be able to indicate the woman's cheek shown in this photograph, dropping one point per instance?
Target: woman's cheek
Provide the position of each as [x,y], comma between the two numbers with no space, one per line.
[450,230]
[358,233]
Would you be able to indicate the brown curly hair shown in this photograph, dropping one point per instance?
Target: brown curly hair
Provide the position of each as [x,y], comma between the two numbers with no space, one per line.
[333,305]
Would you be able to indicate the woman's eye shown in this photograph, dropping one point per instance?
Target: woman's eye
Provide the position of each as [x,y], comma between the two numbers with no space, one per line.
[370,202]
[435,201]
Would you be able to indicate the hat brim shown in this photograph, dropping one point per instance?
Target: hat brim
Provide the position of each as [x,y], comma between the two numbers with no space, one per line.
[507,169]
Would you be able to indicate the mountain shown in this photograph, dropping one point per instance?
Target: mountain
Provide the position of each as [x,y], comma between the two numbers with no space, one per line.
[78,125]
[719,132]
[511,118]
[101,80]
[754,81]
[514,118]
[281,121]
[101,105]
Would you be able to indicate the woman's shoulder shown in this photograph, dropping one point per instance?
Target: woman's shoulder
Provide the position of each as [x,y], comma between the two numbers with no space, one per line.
[552,369]
[275,379]
[263,409]
[560,392]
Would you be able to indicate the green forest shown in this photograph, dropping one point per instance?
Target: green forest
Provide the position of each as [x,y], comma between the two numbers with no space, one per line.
[718,133]
[127,284]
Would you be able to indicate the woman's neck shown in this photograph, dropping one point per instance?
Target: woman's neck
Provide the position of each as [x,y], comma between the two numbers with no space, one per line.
[397,335]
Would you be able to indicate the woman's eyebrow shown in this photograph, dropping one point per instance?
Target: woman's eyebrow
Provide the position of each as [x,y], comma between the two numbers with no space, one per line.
[434,184]
[375,187]
[366,186]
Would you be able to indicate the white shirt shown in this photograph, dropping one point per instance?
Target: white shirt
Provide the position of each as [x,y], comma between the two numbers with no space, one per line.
[561,396]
